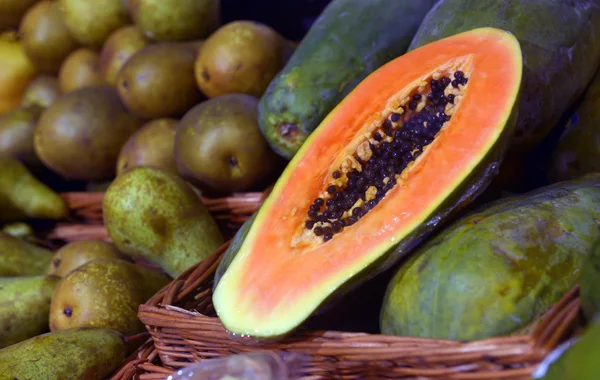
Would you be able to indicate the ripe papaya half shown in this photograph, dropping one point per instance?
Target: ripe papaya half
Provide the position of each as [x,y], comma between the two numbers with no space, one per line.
[497,269]
[561,50]
[347,42]
[578,150]
[419,137]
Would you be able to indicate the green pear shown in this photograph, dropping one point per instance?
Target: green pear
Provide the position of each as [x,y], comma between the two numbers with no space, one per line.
[24,307]
[104,293]
[22,196]
[20,258]
[83,354]
[156,215]
[19,230]
[80,252]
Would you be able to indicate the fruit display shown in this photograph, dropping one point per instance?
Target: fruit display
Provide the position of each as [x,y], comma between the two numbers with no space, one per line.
[357,199]
[273,170]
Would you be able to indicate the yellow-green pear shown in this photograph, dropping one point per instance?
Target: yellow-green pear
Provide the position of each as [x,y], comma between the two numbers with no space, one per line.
[20,258]
[82,354]
[24,307]
[154,214]
[22,196]
[104,293]
[80,252]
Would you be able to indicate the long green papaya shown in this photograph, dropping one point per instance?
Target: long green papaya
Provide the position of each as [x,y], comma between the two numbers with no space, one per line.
[493,271]
[578,150]
[348,41]
[560,41]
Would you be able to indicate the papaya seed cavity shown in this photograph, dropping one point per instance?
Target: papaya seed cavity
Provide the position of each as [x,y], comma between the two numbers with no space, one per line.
[384,152]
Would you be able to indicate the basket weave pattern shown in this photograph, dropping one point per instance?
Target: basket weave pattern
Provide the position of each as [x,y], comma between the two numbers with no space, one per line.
[183,327]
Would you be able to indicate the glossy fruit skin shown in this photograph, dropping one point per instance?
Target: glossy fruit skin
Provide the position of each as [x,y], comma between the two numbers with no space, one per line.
[497,269]
[337,53]
[86,354]
[218,144]
[16,71]
[80,135]
[559,62]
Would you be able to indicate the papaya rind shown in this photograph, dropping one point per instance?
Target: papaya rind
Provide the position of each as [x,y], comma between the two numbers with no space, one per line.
[561,48]
[496,269]
[341,48]
[473,182]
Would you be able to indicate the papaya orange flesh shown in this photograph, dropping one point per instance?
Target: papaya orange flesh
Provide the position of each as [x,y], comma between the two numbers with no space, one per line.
[285,268]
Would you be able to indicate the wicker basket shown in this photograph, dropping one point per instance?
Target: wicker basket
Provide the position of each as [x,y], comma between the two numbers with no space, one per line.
[183,328]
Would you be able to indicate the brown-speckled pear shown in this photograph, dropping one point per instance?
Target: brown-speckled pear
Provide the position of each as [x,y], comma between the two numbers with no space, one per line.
[151,145]
[218,143]
[158,81]
[16,135]
[20,258]
[104,293]
[12,11]
[240,57]
[91,22]
[121,45]
[24,307]
[22,196]
[154,214]
[81,134]
[42,91]
[46,39]
[79,70]
[82,354]
[80,252]
[176,21]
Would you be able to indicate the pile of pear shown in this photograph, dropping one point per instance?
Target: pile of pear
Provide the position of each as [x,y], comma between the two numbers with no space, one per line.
[92,89]
[157,104]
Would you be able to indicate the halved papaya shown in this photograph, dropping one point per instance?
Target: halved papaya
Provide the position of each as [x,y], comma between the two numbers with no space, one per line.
[413,142]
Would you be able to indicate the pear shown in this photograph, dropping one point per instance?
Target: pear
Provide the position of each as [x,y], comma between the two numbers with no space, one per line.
[156,215]
[16,73]
[176,21]
[81,134]
[158,80]
[23,196]
[16,135]
[118,48]
[83,354]
[104,293]
[24,307]
[152,145]
[20,258]
[78,253]
[42,91]
[79,70]
[91,22]
[46,39]
[12,11]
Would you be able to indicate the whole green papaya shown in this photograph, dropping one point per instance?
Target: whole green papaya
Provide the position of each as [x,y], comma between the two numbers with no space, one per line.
[578,150]
[348,41]
[495,270]
[560,41]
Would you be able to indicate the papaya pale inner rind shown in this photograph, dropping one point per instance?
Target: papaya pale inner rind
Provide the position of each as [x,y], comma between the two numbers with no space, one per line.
[278,278]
